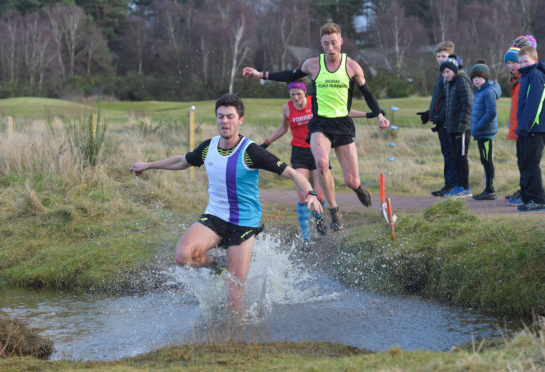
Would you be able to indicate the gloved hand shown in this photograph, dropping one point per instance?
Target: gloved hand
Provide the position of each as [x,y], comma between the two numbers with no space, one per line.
[437,127]
[370,115]
[424,116]
[264,145]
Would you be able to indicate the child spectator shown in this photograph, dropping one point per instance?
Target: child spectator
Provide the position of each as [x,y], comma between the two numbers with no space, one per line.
[484,122]
[531,129]
[437,105]
[512,62]
[457,118]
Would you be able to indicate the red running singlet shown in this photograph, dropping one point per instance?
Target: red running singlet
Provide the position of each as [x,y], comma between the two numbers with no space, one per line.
[299,123]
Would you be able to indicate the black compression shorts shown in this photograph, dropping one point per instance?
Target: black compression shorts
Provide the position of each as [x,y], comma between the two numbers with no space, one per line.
[339,131]
[230,234]
[302,158]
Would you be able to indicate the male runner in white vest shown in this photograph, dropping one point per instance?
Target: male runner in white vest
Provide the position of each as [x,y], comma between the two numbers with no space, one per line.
[233,214]
[333,75]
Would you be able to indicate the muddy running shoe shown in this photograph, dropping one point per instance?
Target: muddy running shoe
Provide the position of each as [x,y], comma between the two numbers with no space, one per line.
[364,195]
[443,191]
[531,206]
[321,227]
[305,246]
[336,219]
[219,263]
[485,195]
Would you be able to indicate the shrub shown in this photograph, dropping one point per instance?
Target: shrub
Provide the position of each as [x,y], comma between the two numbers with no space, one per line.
[17,339]
[400,89]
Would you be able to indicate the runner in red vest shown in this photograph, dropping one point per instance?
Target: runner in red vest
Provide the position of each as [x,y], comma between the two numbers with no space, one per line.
[296,114]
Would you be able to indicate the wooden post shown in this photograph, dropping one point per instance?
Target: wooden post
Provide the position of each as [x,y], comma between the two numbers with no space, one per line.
[391,218]
[191,128]
[94,123]
[9,127]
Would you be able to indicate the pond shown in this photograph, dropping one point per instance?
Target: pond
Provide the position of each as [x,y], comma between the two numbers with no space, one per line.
[287,299]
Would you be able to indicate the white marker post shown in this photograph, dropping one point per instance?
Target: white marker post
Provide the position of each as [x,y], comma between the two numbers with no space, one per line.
[191,136]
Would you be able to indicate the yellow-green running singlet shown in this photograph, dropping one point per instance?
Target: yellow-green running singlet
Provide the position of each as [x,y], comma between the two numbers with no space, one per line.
[333,90]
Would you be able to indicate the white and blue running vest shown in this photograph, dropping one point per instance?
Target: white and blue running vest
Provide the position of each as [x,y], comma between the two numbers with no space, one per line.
[232,186]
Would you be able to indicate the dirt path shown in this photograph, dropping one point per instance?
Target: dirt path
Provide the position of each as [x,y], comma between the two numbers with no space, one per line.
[403,203]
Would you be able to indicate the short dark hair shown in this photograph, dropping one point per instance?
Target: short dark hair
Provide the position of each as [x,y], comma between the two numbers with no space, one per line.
[231,99]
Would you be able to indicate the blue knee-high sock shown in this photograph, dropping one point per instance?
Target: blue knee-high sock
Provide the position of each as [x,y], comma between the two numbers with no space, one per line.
[303,213]
[316,214]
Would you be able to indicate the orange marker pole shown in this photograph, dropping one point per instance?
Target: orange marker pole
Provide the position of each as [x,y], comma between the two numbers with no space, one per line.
[391,217]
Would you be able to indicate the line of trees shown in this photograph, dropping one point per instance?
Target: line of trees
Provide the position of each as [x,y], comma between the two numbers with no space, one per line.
[194,49]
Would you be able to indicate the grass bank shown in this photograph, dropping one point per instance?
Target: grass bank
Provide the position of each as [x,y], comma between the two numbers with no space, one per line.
[67,225]
[525,351]
[492,263]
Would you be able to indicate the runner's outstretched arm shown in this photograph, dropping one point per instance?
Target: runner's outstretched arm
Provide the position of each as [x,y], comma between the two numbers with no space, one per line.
[302,184]
[177,162]
[286,76]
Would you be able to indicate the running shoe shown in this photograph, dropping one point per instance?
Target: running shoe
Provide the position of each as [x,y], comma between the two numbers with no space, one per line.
[219,263]
[515,195]
[321,226]
[465,193]
[515,202]
[485,195]
[531,206]
[443,191]
[336,219]
[455,190]
[364,195]
[305,246]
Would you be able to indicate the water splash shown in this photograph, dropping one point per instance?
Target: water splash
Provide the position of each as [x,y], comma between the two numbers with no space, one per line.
[278,275]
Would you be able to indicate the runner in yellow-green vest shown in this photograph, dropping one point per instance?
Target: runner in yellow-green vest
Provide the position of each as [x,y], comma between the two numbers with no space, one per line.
[334,76]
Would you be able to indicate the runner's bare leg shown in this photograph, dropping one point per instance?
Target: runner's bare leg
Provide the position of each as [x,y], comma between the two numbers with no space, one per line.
[320,146]
[193,245]
[348,158]
[238,265]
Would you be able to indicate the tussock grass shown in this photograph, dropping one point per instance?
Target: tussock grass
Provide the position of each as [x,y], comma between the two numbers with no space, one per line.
[487,262]
[18,339]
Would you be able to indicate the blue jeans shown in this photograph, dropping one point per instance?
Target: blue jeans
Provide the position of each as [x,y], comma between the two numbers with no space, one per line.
[449,168]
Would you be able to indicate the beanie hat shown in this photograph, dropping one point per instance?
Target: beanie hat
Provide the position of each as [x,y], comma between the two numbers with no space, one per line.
[519,42]
[511,55]
[480,69]
[451,63]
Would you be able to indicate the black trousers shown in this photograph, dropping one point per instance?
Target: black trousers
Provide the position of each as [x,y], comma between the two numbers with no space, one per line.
[460,145]
[485,152]
[531,186]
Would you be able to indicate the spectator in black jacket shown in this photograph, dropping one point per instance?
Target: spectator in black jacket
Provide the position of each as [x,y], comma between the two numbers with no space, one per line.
[457,119]
[434,114]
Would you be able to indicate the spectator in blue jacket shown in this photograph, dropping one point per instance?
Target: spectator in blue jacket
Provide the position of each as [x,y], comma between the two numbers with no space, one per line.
[531,129]
[484,122]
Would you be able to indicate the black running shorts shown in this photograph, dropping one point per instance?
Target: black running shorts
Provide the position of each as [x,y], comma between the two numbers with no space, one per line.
[230,234]
[339,131]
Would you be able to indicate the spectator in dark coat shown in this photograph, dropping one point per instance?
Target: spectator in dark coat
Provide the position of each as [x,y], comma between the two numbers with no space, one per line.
[457,118]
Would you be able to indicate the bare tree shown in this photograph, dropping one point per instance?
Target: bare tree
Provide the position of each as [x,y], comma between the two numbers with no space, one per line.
[498,18]
[9,44]
[68,24]
[98,56]
[38,49]
[444,19]
[397,34]
[528,9]
[134,43]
